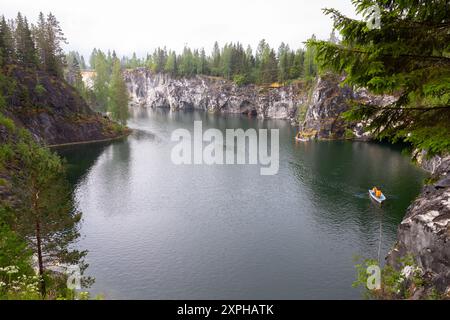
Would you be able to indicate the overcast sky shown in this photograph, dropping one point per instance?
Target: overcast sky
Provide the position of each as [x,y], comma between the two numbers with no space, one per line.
[141,26]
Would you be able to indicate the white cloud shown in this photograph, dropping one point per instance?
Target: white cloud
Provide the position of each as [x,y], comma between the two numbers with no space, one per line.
[141,26]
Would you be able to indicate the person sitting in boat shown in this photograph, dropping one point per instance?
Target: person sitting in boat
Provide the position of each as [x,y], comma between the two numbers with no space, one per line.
[376,192]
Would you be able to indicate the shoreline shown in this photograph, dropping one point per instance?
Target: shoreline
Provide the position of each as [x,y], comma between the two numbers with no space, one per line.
[89,141]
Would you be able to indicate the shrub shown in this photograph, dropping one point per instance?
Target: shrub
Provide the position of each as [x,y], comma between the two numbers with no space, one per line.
[7,123]
[349,134]
[39,89]
[240,80]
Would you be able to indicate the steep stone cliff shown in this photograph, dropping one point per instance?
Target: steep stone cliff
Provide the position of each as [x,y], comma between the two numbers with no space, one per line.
[425,231]
[326,103]
[51,109]
[316,107]
[212,94]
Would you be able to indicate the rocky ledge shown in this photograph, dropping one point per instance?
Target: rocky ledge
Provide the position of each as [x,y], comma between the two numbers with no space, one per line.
[425,231]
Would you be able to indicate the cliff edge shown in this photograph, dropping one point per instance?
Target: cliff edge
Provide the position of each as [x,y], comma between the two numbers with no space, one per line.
[51,109]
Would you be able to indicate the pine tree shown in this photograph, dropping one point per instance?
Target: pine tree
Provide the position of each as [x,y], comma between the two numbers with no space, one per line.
[82,63]
[267,63]
[118,93]
[297,70]
[409,56]
[187,66]
[55,38]
[25,49]
[310,66]
[7,52]
[40,36]
[215,59]
[92,58]
[46,215]
[284,63]
[171,64]
[73,73]
[101,81]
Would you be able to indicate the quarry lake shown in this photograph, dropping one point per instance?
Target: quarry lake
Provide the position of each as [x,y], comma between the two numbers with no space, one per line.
[155,230]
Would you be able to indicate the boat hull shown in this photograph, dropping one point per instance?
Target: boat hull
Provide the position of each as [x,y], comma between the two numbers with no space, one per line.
[379,200]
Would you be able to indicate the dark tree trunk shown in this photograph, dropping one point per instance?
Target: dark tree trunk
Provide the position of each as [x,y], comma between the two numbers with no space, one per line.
[39,246]
[40,260]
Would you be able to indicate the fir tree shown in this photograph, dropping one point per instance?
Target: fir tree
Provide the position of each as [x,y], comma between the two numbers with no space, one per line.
[118,92]
[310,65]
[7,52]
[409,56]
[101,81]
[46,215]
[25,49]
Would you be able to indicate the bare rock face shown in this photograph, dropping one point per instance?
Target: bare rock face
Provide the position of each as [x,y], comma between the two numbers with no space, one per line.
[317,110]
[211,94]
[326,104]
[425,231]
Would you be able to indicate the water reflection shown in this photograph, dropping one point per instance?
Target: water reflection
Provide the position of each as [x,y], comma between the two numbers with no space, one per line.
[160,231]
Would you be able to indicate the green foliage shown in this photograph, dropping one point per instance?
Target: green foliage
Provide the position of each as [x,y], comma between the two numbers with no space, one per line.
[7,52]
[409,57]
[73,72]
[301,113]
[101,80]
[15,285]
[35,47]
[40,90]
[7,123]
[13,248]
[349,134]
[118,93]
[232,61]
[310,66]
[240,80]
[42,219]
[26,53]
[2,102]
[395,284]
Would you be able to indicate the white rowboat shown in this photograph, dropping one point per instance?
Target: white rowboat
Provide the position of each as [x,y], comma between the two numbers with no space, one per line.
[380,199]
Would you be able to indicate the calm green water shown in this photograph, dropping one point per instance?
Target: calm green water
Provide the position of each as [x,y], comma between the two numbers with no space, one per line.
[159,231]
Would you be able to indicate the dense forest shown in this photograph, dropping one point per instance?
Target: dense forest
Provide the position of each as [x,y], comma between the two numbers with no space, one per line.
[232,61]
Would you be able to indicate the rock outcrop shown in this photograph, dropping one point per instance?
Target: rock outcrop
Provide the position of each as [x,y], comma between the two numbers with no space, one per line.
[328,100]
[425,231]
[317,108]
[52,110]
[212,94]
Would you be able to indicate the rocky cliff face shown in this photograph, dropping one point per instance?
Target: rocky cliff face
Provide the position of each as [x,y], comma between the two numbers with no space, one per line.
[316,108]
[326,103]
[51,109]
[425,231]
[212,94]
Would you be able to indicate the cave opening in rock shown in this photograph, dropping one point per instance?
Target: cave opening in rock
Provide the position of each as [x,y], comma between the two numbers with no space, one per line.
[250,113]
